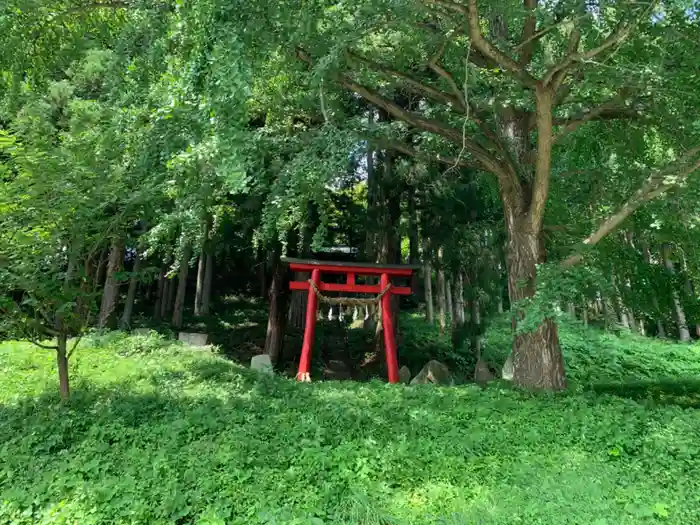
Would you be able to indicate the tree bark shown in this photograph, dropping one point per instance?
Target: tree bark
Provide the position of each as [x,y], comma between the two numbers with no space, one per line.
[208,280]
[442,301]
[537,359]
[125,321]
[62,361]
[179,307]
[277,314]
[683,333]
[110,296]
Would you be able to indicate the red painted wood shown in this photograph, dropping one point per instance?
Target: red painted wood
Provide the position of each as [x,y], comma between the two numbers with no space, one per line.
[303,374]
[351,279]
[392,362]
[369,270]
[358,288]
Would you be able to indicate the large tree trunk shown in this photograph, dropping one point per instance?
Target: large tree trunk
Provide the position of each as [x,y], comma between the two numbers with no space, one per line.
[277,314]
[683,333]
[179,307]
[208,280]
[537,359]
[62,361]
[125,321]
[297,303]
[110,296]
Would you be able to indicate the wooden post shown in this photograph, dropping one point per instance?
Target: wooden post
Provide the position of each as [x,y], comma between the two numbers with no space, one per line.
[304,372]
[392,363]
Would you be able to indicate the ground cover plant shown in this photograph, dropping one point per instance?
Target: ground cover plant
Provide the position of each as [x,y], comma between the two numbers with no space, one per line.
[159,433]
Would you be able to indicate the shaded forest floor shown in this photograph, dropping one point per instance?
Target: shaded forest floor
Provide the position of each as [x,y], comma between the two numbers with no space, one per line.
[159,433]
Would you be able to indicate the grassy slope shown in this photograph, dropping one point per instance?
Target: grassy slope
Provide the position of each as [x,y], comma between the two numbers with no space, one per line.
[176,436]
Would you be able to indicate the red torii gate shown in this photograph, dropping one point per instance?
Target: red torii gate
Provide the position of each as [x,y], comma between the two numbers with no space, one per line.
[384,291]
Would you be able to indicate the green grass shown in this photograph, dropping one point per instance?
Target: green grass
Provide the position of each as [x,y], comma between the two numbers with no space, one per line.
[161,434]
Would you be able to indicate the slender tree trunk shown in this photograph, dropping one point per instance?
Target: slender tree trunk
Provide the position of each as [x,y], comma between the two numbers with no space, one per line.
[179,307]
[160,294]
[413,238]
[584,314]
[277,314]
[537,358]
[442,301]
[100,270]
[660,330]
[62,361]
[110,296]
[683,333]
[476,319]
[448,300]
[262,275]
[208,279]
[125,321]
[201,270]
[428,284]
[199,291]
[621,310]
[459,300]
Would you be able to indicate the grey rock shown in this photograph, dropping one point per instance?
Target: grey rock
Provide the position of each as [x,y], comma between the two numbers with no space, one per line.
[262,364]
[193,338]
[482,374]
[433,372]
[336,370]
[404,375]
[507,371]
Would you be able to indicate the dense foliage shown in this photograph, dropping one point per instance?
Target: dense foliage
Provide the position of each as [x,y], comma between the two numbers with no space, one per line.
[139,139]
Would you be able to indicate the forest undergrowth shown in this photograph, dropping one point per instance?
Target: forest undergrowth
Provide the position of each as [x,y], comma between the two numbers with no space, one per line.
[160,433]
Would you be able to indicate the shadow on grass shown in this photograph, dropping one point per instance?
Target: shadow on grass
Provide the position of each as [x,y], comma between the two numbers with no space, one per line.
[684,393]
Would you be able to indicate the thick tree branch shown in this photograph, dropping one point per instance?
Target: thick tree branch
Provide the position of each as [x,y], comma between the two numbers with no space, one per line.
[487,161]
[433,64]
[543,157]
[411,83]
[611,110]
[556,74]
[655,186]
[404,148]
[528,40]
[482,45]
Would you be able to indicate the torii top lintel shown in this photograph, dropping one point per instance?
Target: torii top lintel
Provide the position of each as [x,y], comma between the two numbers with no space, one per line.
[351,269]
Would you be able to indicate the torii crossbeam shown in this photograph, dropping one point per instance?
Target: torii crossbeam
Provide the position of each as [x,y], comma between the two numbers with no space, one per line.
[384,290]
